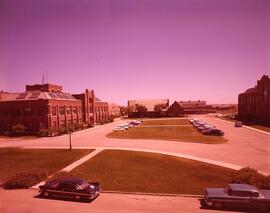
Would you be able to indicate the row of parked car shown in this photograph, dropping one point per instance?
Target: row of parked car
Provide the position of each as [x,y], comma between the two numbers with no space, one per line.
[206,128]
[126,126]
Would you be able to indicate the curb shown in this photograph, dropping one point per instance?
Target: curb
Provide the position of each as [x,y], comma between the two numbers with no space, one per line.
[152,194]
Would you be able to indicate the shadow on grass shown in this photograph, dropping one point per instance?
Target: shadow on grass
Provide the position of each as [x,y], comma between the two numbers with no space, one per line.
[66,199]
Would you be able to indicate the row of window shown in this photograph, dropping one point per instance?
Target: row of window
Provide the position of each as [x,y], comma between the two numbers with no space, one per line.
[65,123]
[101,109]
[26,112]
[66,110]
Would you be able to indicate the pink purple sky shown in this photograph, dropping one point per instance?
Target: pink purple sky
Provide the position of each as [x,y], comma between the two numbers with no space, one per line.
[133,49]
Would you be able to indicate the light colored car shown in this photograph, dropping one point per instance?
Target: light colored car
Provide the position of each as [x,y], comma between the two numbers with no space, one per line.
[238,124]
[119,128]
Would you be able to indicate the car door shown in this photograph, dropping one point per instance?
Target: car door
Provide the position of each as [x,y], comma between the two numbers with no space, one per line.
[67,189]
[240,199]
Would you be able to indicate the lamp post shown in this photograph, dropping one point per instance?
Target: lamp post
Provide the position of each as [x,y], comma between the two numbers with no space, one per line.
[70,145]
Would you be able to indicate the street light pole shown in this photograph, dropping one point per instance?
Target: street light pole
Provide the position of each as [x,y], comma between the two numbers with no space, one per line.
[70,146]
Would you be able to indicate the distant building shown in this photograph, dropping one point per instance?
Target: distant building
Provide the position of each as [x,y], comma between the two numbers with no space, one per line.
[254,103]
[225,108]
[196,107]
[46,106]
[148,103]
[114,110]
[175,110]
[150,106]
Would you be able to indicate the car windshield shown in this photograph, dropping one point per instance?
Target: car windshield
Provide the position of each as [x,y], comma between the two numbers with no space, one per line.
[83,184]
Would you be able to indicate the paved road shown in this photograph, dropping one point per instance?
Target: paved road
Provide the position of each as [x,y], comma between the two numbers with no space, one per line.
[25,201]
[245,148]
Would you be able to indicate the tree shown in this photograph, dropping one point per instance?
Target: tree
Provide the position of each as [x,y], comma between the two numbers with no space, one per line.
[126,110]
[140,109]
[18,130]
[160,107]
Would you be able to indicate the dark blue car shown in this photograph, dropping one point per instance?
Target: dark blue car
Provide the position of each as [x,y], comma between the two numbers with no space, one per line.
[76,188]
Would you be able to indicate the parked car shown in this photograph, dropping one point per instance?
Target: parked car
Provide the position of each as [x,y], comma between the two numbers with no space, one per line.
[135,122]
[75,188]
[118,128]
[236,195]
[238,124]
[214,131]
[124,126]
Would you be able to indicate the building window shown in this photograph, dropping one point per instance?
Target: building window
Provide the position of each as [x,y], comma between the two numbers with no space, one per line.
[62,110]
[27,111]
[53,110]
[75,110]
[62,124]
[54,125]
[68,110]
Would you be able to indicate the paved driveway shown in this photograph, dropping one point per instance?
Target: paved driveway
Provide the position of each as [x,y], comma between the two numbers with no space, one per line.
[245,148]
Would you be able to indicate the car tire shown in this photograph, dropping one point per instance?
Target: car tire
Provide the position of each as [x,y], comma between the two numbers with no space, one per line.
[203,204]
[218,205]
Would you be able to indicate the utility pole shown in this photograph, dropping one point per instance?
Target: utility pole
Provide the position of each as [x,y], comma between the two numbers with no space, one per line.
[70,146]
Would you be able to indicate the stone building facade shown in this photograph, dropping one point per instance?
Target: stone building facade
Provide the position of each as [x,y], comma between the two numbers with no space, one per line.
[254,103]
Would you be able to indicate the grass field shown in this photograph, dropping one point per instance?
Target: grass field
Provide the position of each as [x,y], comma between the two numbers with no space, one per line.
[167,122]
[15,161]
[175,133]
[132,171]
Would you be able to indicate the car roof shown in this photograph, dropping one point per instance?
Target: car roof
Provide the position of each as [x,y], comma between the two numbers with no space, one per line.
[242,187]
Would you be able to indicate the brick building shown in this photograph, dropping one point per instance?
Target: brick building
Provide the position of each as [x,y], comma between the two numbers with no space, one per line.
[46,106]
[191,107]
[175,110]
[254,103]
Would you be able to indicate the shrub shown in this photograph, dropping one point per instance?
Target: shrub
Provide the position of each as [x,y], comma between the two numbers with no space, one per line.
[18,130]
[251,176]
[24,180]
[43,133]
[63,130]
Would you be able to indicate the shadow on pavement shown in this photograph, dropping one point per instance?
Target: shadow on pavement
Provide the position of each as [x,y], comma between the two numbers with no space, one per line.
[65,199]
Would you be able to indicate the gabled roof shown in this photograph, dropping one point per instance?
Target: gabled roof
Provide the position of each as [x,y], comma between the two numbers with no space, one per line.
[37,95]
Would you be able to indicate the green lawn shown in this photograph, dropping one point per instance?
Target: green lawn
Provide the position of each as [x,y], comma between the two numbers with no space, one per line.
[132,171]
[175,133]
[15,161]
[167,122]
